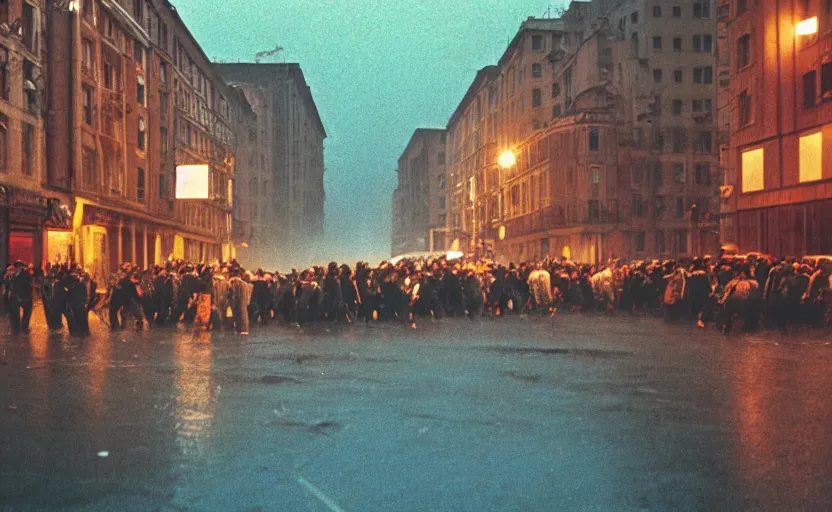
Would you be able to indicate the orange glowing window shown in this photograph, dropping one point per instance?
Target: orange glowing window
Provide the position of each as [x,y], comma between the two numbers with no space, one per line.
[753,170]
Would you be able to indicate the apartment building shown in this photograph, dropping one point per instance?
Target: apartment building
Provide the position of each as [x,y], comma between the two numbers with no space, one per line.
[630,85]
[778,195]
[132,95]
[32,203]
[292,159]
[420,199]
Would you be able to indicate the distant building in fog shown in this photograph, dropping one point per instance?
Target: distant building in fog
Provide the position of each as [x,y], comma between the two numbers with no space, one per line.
[285,187]
[420,201]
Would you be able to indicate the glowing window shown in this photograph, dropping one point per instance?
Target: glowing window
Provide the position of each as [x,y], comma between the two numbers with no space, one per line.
[811,149]
[752,170]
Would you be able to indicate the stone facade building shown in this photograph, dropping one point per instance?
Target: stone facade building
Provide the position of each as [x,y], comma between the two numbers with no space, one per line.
[778,192]
[291,167]
[131,96]
[420,200]
[607,110]
[28,194]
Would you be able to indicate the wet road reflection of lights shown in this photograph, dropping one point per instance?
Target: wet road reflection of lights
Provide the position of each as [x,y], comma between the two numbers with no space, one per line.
[194,391]
[782,426]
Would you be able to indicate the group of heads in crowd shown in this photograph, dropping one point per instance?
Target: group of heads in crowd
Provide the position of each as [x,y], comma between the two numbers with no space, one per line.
[705,289]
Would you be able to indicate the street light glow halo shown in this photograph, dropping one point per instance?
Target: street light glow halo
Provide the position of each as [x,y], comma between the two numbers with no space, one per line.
[507,159]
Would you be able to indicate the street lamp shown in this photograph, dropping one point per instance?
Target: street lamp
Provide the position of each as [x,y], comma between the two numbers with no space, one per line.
[807,27]
[507,159]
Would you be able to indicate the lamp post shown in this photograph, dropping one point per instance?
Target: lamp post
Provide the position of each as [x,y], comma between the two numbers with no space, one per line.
[506,160]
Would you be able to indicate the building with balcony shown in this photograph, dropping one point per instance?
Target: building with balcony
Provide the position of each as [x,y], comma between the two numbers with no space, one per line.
[131,96]
[778,198]
[630,86]
[288,187]
[420,199]
[31,202]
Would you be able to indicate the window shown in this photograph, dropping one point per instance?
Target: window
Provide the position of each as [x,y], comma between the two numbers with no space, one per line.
[88,104]
[537,98]
[537,42]
[660,242]
[704,142]
[680,207]
[809,89]
[90,167]
[678,140]
[703,173]
[657,43]
[595,175]
[811,154]
[638,174]
[142,135]
[745,108]
[138,53]
[594,210]
[702,9]
[441,158]
[677,107]
[677,44]
[657,76]
[826,80]
[707,43]
[138,10]
[639,241]
[555,90]
[30,27]
[556,110]
[638,206]
[697,43]
[657,11]
[162,187]
[658,141]
[682,240]
[140,90]
[677,76]
[752,170]
[658,174]
[703,75]
[140,185]
[537,71]
[86,10]
[87,57]
[679,173]
[28,163]
[634,17]
[594,138]
[743,51]
[163,72]
[442,204]
[677,11]
[442,182]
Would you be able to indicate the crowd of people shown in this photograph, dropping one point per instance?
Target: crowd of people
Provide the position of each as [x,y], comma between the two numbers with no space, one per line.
[723,292]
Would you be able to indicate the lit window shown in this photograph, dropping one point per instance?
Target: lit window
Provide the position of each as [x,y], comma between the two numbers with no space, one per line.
[752,170]
[811,150]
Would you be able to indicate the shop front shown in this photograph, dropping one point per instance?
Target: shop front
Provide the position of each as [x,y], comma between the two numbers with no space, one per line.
[24,215]
[108,238]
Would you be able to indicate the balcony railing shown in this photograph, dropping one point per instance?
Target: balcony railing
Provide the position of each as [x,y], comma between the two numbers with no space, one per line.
[540,220]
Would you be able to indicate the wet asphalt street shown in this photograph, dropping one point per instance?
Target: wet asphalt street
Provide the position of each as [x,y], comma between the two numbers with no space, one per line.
[579,413]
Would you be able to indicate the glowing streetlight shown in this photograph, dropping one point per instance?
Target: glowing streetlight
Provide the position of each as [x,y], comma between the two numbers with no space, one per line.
[507,159]
[807,27]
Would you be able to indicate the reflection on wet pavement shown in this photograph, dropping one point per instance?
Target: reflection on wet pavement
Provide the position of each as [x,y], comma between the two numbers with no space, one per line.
[587,413]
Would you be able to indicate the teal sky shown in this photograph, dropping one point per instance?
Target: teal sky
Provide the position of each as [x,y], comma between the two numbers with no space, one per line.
[378,70]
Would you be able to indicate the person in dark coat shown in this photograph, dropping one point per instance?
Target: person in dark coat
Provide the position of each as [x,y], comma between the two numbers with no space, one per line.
[21,297]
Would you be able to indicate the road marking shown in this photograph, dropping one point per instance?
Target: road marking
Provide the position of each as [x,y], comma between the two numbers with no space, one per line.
[321,496]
